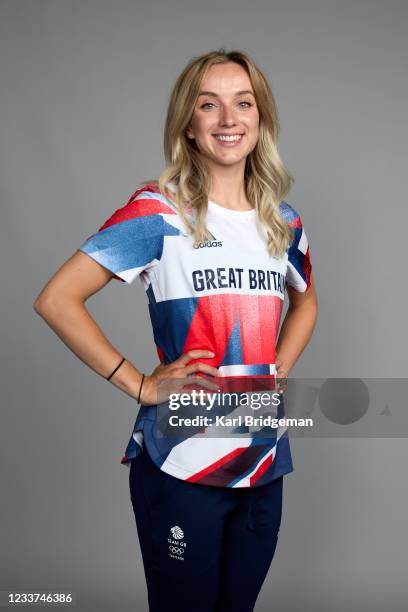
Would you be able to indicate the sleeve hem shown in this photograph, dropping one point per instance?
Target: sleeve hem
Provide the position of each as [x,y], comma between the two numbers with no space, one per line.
[120,276]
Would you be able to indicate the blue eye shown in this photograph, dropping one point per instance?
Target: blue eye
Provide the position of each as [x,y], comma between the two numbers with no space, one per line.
[249,104]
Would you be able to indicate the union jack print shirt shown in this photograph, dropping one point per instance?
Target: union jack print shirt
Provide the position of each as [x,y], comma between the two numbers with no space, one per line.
[225,296]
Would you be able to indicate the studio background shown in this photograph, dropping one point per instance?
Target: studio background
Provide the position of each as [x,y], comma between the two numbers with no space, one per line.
[84,91]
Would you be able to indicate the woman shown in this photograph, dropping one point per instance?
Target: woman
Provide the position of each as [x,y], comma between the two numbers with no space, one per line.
[215,246]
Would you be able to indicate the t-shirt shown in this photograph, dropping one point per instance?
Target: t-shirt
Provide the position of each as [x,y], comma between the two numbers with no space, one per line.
[224,295]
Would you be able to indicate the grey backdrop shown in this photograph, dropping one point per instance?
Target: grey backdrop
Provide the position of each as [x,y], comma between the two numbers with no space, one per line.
[84,90]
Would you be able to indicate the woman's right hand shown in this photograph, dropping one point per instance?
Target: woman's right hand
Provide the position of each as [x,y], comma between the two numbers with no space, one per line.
[172,378]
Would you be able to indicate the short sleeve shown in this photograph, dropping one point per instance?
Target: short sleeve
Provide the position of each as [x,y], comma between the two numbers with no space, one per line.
[299,269]
[131,239]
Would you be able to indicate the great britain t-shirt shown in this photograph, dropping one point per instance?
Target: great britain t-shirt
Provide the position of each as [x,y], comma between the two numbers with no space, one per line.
[225,296]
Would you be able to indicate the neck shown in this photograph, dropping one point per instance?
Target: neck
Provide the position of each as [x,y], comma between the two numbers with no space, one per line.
[228,187]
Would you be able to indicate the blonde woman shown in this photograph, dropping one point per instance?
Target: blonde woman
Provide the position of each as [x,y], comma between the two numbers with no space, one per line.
[216,247]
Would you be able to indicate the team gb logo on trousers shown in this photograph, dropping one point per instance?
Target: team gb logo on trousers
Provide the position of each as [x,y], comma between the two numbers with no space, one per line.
[177,547]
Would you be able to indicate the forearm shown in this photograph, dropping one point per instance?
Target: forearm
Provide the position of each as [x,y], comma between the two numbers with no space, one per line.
[295,333]
[74,325]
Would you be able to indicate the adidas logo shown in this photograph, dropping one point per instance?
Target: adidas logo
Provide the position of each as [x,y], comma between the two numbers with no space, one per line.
[209,243]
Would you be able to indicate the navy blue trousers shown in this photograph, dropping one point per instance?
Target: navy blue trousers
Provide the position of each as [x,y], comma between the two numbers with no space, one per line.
[204,548]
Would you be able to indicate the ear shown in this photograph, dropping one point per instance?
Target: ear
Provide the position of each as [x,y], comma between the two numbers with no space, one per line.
[189,132]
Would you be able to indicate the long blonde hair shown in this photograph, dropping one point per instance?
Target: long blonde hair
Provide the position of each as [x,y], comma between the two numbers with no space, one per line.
[267,180]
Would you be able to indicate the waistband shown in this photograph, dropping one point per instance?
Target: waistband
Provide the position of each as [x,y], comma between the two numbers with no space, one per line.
[247,377]
[255,369]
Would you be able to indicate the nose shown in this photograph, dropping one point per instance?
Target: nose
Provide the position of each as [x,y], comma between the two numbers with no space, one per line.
[227,116]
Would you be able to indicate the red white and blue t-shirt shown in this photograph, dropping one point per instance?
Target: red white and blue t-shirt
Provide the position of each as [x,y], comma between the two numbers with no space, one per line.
[225,296]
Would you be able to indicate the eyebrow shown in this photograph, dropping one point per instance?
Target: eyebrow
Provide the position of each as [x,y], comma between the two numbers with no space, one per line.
[238,93]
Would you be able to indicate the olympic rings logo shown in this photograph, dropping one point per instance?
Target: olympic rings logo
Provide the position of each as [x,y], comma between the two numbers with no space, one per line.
[176,550]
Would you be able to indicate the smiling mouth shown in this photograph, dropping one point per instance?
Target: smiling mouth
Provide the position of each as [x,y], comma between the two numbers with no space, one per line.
[228,137]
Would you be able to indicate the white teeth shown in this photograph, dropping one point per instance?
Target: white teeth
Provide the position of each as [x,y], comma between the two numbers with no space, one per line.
[229,138]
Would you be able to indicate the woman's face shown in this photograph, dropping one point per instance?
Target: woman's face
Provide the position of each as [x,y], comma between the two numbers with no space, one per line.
[225,107]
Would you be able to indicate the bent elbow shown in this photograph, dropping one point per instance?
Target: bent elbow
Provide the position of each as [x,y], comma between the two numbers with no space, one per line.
[48,303]
[38,303]
[43,305]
